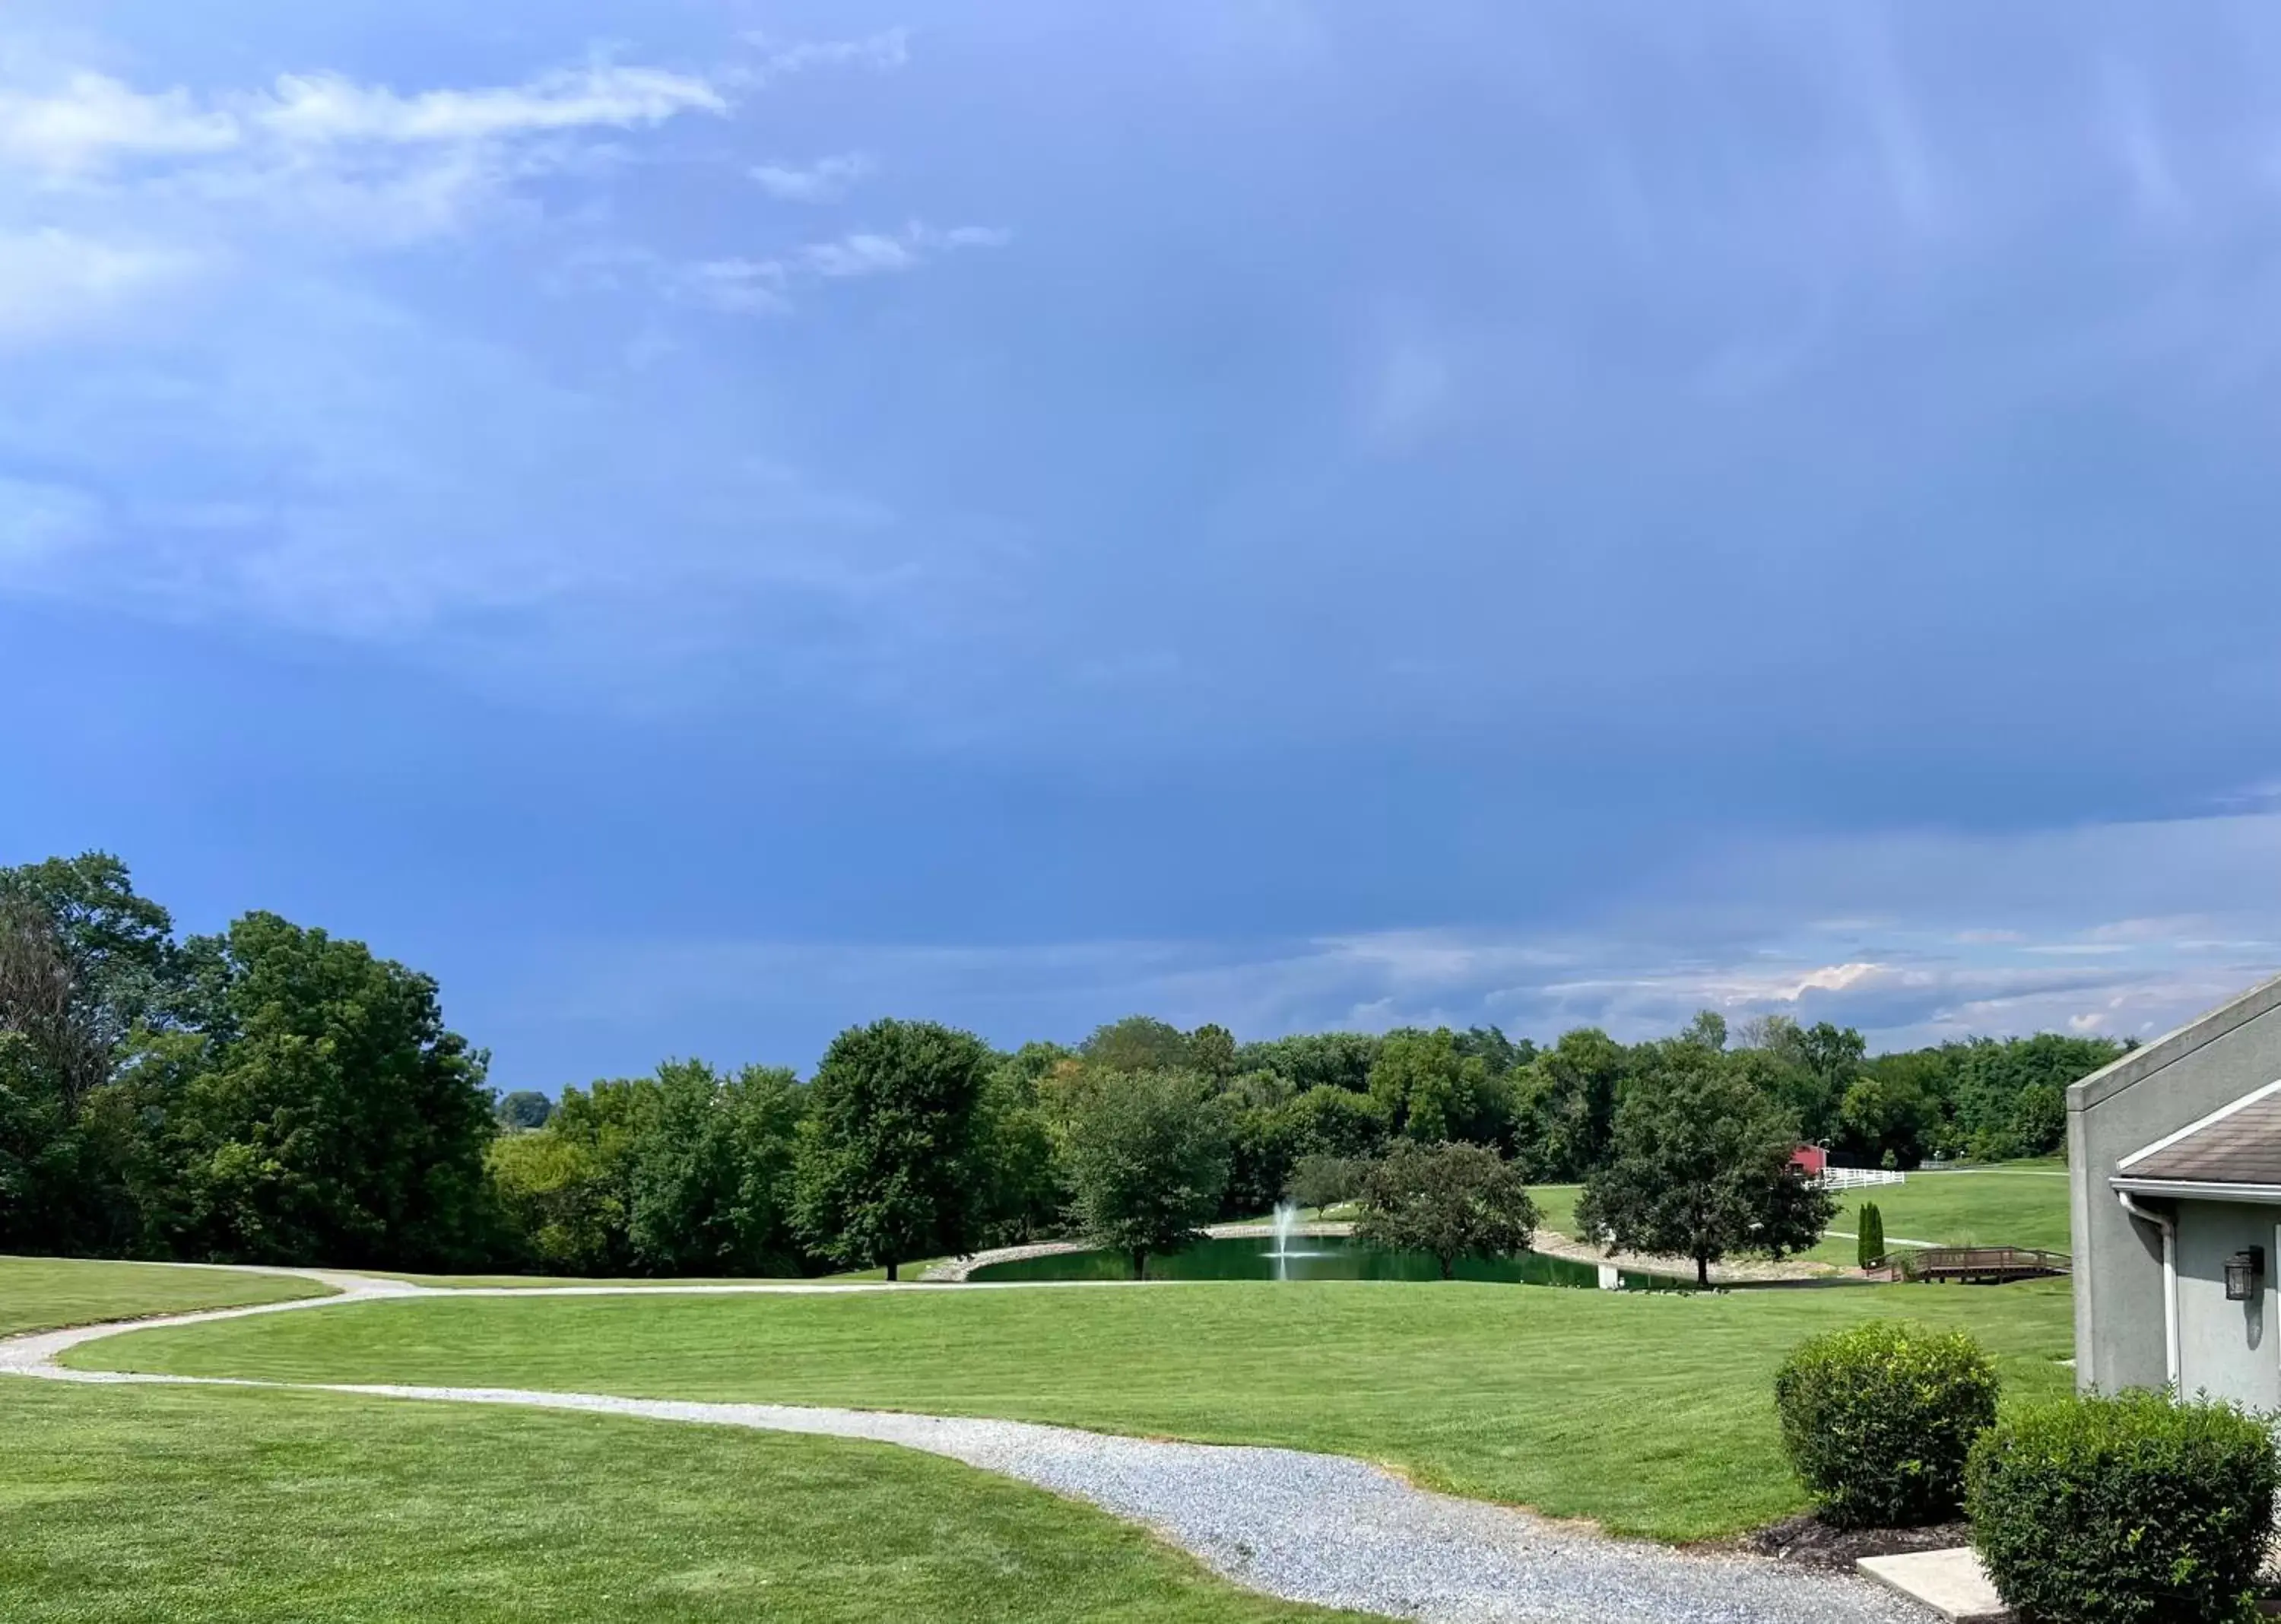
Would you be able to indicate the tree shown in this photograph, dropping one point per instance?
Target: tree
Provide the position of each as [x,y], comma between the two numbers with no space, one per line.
[1701,1167]
[1566,1104]
[557,1202]
[1138,1043]
[887,1166]
[1147,1160]
[1315,1060]
[1212,1050]
[712,1173]
[1331,1121]
[1451,1200]
[325,1114]
[120,945]
[1869,1250]
[1431,1092]
[1320,1181]
[1019,1180]
[525,1108]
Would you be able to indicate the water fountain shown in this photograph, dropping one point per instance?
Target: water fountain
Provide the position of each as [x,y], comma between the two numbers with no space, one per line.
[1286,1220]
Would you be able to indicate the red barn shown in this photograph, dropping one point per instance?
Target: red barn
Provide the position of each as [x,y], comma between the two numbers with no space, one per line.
[1813,1158]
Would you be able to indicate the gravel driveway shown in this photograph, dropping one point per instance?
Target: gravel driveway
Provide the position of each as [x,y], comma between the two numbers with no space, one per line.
[1306,1528]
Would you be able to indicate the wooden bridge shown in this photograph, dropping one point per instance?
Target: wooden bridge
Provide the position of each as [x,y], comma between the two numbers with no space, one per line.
[1978,1265]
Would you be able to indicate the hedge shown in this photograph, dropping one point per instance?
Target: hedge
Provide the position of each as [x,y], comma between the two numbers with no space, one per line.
[2130,1510]
[1877,1420]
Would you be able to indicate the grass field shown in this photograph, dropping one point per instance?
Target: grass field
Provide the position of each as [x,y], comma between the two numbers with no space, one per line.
[1648,1414]
[2015,1203]
[38,1293]
[124,1505]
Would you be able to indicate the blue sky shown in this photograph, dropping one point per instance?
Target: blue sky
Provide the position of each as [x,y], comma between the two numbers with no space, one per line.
[702,523]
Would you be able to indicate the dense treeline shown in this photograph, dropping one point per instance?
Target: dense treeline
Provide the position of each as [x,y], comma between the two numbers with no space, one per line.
[272,1094]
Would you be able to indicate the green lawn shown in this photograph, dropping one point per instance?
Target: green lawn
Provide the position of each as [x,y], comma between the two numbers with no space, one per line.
[209,1506]
[1649,1413]
[2022,1203]
[38,1293]
[128,1505]
[2013,1203]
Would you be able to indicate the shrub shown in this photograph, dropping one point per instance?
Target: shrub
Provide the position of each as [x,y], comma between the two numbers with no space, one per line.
[1870,1251]
[2124,1511]
[1877,1420]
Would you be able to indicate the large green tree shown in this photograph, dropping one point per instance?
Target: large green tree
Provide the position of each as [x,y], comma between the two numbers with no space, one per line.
[888,1167]
[325,1114]
[1147,1161]
[1451,1201]
[712,1165]
[1701,1168]
[1431,1091]
[1565,1105]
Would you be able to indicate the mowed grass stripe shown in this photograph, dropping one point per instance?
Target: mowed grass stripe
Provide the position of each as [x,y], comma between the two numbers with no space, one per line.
[209,1506]
[1650,1414]
[47,1294]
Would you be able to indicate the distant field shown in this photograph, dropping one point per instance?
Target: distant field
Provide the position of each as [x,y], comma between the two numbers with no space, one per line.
[2012,1204]
[1649,1413]
[39,1294]
[2020,1204]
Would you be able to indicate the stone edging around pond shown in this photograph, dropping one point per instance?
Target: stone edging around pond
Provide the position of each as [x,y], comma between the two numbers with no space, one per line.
[1552,1242]
[961,1268]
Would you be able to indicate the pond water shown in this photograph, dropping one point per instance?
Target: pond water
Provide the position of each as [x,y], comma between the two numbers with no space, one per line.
[1309,1257]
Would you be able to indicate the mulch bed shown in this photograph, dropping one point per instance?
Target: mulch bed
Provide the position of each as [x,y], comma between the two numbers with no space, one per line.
[1810,1540]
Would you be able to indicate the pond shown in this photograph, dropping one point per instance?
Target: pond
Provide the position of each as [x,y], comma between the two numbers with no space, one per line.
[1310,1257]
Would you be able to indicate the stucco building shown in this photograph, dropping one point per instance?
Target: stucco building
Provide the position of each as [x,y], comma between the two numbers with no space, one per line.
[2174,1155]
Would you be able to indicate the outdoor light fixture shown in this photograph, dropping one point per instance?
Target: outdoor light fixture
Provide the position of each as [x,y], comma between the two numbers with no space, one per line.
[2241,1271]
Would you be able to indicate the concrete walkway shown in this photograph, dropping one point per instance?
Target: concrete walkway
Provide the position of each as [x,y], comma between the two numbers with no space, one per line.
[1306,1528]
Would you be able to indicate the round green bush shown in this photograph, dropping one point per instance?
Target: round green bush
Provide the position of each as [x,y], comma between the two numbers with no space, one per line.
[2128,1509]
[1877,1420]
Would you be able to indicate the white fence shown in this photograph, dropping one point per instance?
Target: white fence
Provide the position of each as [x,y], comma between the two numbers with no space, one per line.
[1857,1178]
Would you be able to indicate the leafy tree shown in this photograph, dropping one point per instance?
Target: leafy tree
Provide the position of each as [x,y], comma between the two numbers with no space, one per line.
[1451,1200]
[557,1204]
[1320,1181]
[1315,1060]
[120,946]
[888,1166]
[1264,1142]
[1490,1046]
[1147,1160]
[1212,1050]
[1331,1121]
[525,1108]
[332,1116]
[1138,1043]
[1021,1188]
[712,1173]
[1567,1105]
[1431,1092]
[1886,1113]
[1707,1030]
[1701,1167]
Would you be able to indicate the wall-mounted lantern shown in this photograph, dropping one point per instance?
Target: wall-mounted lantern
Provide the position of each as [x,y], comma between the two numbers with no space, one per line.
[2242,1272]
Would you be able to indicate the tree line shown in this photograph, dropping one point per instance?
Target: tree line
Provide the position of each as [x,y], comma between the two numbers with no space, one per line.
[274,1094]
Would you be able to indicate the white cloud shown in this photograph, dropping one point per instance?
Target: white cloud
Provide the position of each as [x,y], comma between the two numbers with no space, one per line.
[90,119]
[326,108]
[821,181]
[881,52]
[873,253]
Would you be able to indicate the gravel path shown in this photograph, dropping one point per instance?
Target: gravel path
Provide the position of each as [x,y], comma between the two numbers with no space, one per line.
[1306,1528]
